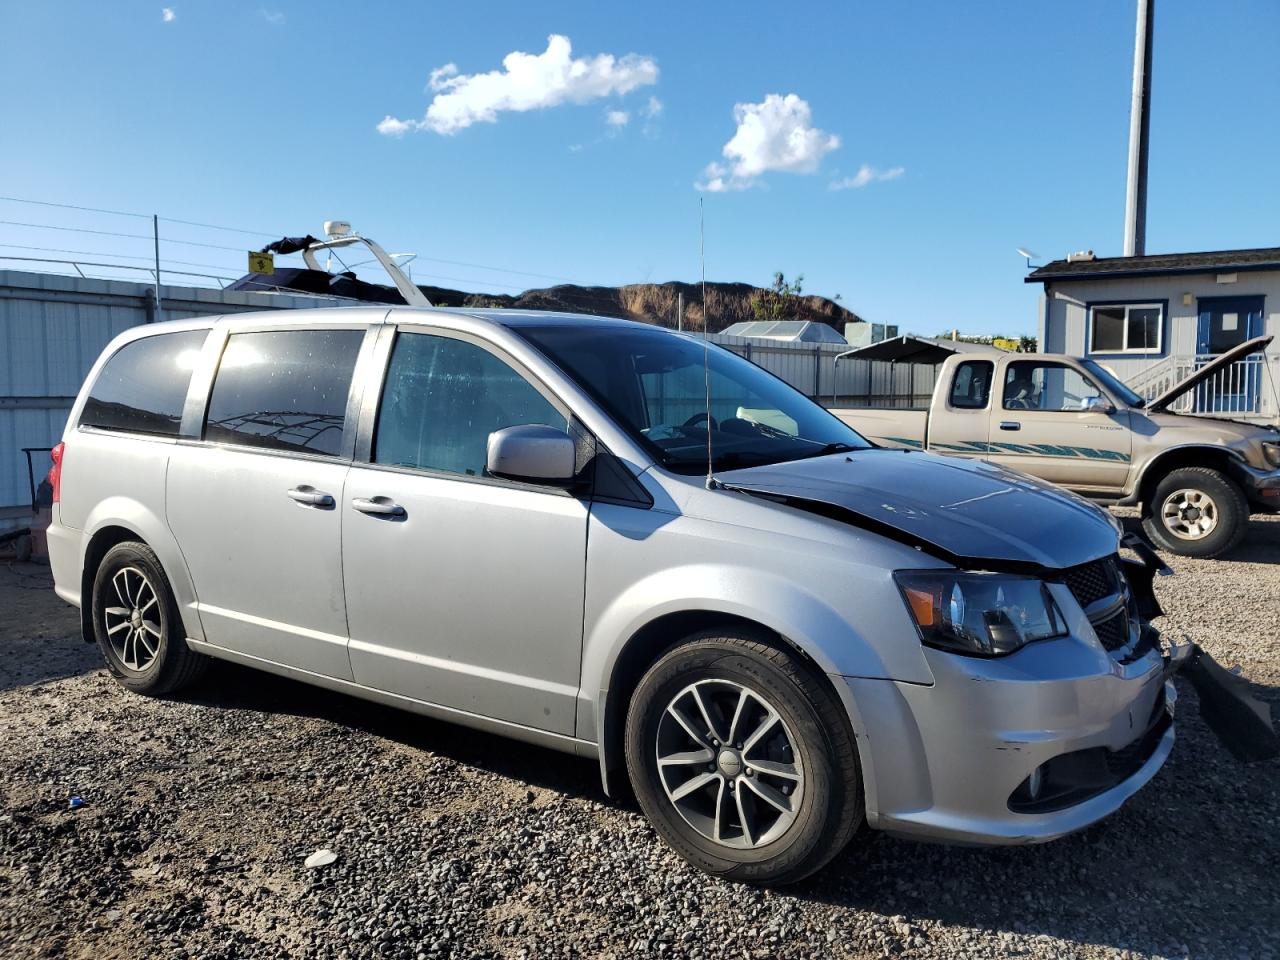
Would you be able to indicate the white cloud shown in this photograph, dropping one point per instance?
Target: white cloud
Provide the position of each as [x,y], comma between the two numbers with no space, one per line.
[273,17]
[167,15]
[527,81]
[867,174]
[777,134]
[617,118]
[653,108]
[391,127]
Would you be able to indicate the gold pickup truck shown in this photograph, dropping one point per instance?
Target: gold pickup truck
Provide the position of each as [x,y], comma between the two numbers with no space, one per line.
[1072,422]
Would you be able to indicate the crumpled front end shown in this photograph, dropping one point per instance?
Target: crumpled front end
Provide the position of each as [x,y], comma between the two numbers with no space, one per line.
[1034,745]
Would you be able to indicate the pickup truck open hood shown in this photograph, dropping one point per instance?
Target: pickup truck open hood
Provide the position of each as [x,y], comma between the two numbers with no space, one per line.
[967,512]
[1208,370]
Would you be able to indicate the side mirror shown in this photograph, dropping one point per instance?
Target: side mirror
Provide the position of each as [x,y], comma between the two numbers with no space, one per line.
[533,453]
[1099,405]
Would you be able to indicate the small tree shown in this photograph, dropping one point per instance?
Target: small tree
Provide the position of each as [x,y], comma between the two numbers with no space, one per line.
[780,301]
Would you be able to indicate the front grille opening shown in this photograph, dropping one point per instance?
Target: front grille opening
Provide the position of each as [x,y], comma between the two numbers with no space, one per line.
[1083,774]
[1093,581]
[1117,625]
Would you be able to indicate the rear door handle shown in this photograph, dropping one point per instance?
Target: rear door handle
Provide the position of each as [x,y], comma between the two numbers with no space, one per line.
[378,506]
[1010,425]
[310,497]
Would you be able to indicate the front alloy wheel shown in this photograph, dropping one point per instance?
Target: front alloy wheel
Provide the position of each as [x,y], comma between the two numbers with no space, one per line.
[742,757]
[1196,512]
[728,764]
[1190,514]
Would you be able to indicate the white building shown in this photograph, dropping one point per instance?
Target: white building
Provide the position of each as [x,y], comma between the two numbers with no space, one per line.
[1155,319]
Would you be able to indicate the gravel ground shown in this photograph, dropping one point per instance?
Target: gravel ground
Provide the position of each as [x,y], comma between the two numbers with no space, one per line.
[199,812]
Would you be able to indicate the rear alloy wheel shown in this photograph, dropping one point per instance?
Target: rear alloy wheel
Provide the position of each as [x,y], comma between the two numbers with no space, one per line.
[1196,512]
[743,759]
[136,623]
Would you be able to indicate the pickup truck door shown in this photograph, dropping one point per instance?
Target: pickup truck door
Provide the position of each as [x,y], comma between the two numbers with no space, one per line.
[1044,422]
[961,411]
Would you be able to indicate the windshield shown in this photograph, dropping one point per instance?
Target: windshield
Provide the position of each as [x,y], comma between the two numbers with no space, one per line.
[651,381]
[1112,383]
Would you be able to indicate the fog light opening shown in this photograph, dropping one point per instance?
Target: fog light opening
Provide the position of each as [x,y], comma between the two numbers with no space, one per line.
[1034,783]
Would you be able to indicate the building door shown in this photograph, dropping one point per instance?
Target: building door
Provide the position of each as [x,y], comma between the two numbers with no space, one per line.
[1227,322]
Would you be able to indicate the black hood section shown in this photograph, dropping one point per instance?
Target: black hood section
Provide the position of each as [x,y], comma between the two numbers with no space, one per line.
[969,513]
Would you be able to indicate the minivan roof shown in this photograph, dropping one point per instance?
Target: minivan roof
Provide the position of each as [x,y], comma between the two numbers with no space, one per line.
[378,314]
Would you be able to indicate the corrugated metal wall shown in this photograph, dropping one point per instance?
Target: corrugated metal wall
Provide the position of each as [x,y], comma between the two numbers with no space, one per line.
[52,329]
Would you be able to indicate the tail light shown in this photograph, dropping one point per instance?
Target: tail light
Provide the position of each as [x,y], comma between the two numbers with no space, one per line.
[55,472]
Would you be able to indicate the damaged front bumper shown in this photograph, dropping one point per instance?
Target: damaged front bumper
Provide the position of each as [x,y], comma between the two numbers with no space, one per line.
[1046,741]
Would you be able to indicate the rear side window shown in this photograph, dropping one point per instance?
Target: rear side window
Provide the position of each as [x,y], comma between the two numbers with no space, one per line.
[442,399]
[143,387]
[284,390]
[971,388]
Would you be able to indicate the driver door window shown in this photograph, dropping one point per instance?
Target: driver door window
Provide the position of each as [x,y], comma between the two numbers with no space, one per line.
[442,399]
[1047,386]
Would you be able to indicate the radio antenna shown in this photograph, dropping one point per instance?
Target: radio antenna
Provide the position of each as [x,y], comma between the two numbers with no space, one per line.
[706,346]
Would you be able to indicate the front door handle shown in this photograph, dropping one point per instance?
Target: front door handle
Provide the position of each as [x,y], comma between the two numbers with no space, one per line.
[1010,425]
[378,507]
[310,497]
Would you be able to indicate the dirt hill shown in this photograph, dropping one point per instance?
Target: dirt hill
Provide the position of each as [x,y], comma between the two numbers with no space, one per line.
[727,303]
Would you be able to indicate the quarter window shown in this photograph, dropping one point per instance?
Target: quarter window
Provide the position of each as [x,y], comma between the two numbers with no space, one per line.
[1127,328]
[284,390]
[1047,386]
[143,387]
[442,399]
[971,387]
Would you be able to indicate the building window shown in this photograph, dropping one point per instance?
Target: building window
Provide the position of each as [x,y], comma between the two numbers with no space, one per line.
[1127,328]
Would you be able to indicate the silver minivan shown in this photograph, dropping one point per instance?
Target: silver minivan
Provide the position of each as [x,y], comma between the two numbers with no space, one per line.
[621,542]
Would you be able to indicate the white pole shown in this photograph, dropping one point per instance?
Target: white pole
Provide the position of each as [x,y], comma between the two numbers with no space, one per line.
[1135,206]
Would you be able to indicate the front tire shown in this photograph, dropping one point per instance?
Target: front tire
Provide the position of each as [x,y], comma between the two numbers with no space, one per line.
[743,760]
[137,625]
[1196,512]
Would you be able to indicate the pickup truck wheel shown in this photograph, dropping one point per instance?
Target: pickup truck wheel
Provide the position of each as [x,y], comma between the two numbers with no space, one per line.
[137,625]
[743,760]
[1196,512]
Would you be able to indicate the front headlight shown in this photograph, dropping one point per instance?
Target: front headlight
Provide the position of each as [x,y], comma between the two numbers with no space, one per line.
[1271,453]
[979,614]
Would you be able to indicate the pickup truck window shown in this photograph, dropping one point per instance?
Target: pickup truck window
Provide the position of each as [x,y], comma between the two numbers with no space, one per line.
[971,388]
[1033,385]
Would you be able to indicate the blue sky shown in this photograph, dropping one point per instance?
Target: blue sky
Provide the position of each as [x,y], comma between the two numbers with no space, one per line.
[978,128]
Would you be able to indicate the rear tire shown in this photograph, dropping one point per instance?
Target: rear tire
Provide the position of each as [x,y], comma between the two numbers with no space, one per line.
[743,760]
[1196,512]
[137,624]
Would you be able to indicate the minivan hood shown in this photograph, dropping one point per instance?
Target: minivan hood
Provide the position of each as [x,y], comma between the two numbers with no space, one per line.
[1208,370]
[968,512]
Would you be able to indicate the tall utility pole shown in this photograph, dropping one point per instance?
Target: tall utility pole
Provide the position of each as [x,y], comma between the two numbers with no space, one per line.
[1135,204]
[679,311]
[155,233]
